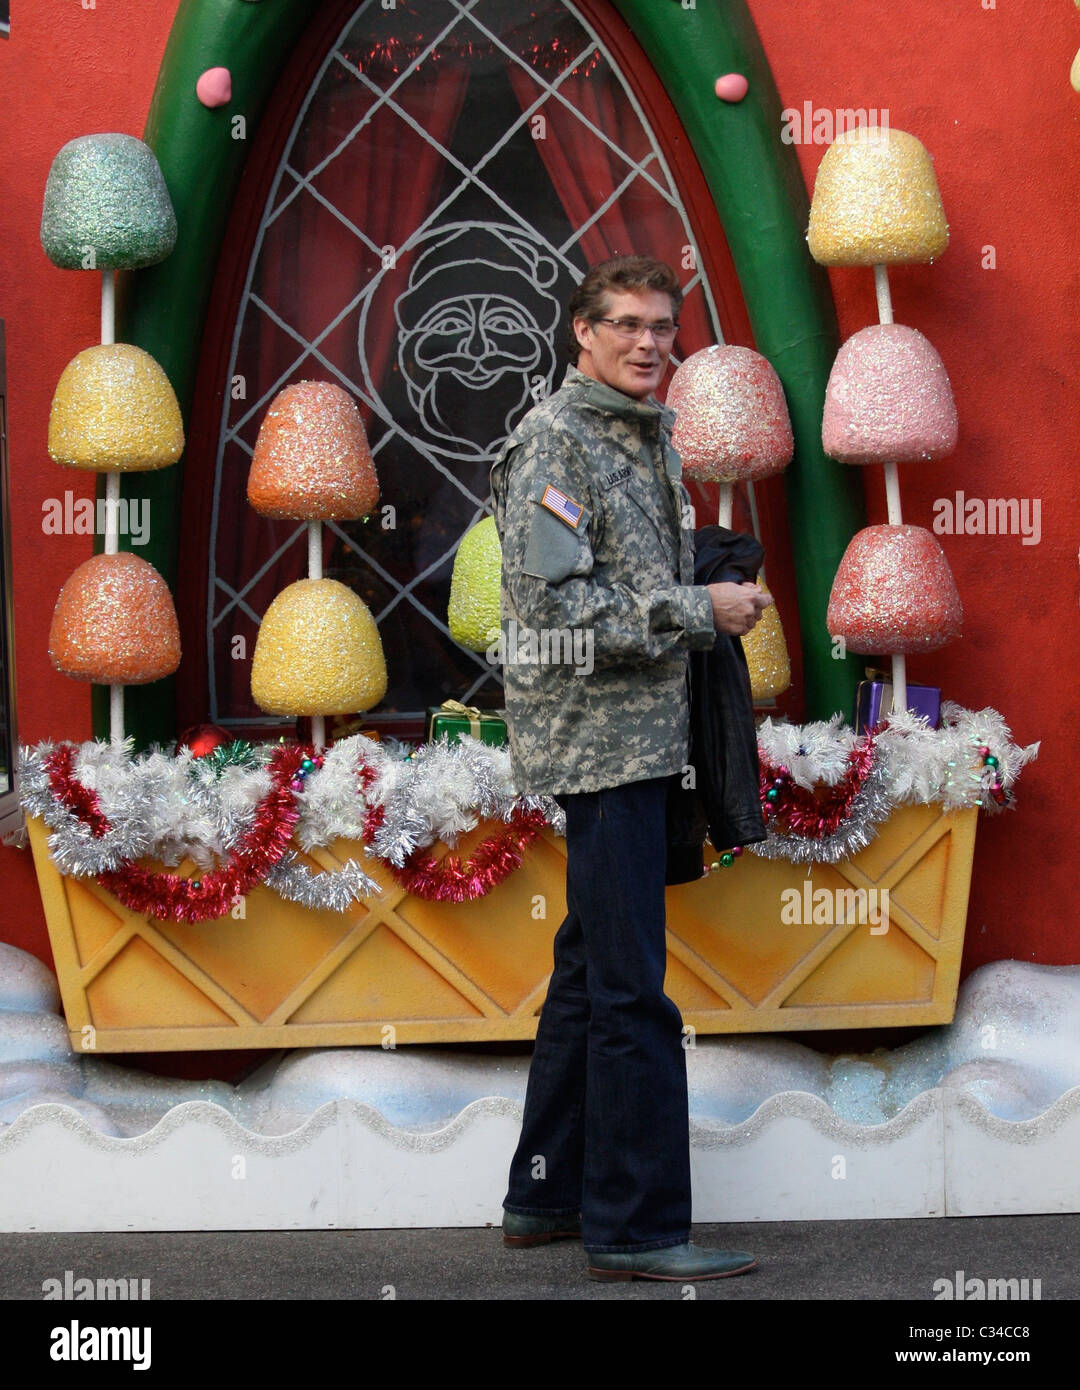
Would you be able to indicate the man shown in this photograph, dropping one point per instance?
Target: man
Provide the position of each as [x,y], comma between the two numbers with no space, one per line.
[596,530]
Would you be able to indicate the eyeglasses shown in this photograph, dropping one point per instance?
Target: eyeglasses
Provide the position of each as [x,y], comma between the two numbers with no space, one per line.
[663,330]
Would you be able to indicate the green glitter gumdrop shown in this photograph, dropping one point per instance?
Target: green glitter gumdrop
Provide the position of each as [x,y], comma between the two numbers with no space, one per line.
[473,613]
[106,206]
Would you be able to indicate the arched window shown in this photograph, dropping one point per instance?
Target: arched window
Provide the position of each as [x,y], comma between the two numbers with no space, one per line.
[411,230]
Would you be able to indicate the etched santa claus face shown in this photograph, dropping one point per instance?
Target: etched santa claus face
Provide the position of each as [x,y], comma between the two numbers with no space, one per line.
[473,358]
[475,345]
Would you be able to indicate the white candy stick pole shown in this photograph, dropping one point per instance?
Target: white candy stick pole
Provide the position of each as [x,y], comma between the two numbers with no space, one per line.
[112,495]
[884,298]
[899,681]
[108,306]
[116,713]
[885,314]
[892,494]
[314,552]
[727,504]
[112,513]
[892,489]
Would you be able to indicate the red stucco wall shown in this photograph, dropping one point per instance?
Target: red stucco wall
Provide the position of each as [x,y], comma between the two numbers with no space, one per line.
[65,71]
[987,90]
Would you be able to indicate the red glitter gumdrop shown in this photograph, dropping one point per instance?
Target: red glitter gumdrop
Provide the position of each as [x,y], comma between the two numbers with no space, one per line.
[114,623]
[312,461]
[894,592]
[733,419]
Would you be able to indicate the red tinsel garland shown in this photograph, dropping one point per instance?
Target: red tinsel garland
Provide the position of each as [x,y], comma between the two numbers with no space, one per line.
[792,810]
[453,880]
[816,814]
[167,896]
[70,792]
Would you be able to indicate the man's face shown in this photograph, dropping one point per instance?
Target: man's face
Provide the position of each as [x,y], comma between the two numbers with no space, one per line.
[634,367]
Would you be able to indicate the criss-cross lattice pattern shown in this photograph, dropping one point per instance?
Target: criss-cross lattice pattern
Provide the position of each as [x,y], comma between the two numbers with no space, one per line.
[421,262]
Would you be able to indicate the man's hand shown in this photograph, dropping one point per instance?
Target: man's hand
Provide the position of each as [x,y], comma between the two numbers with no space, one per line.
[737,607]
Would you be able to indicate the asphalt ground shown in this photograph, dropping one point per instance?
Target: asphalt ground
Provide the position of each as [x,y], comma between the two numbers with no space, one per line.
[827,1297]
[838,1261]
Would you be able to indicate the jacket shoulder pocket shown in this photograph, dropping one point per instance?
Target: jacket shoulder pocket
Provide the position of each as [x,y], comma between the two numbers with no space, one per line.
[555,548]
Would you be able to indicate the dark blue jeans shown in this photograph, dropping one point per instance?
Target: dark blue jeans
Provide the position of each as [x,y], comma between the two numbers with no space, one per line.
[606,1128]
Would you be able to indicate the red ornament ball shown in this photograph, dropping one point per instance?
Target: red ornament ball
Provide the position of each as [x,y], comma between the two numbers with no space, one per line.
[202,739]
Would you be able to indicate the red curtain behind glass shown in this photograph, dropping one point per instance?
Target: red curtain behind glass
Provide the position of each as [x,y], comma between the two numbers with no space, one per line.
[585,173]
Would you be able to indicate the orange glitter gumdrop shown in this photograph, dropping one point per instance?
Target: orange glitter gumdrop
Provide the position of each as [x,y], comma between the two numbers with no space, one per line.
[312,461]
[115,624]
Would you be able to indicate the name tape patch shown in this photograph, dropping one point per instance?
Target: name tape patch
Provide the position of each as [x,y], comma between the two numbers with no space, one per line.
[617,475]
[565,508]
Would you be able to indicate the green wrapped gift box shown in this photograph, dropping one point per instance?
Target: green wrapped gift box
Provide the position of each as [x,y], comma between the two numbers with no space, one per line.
[455,719]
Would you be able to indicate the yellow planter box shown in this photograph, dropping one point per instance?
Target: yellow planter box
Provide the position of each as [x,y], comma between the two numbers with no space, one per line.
[399,968]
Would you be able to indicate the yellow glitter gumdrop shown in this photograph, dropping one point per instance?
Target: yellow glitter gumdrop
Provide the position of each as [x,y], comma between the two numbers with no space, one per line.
[767,654]
[475,587]
[876,201]
[114,410]
[318,652]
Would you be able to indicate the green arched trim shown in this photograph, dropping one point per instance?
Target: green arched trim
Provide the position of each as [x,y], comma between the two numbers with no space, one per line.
[754,179]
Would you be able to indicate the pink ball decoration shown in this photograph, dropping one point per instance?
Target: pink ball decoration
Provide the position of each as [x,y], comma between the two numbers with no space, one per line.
[733,419]
[894,592]
[888,399]
[214,87]
[733,86]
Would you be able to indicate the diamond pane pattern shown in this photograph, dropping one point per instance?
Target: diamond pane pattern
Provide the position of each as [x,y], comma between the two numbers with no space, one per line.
[453,170]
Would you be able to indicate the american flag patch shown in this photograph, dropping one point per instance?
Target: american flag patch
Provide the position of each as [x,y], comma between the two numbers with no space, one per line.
[565,508]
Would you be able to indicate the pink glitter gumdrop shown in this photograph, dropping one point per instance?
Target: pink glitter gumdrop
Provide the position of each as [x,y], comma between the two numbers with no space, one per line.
[888,399]
[894,592]
[732,416]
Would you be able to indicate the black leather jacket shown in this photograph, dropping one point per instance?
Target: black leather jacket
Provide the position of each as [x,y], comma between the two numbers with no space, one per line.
[725,803]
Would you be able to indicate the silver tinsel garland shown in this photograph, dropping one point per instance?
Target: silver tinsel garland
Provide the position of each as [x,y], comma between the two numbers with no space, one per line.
[176,808]
[914,765]
[871,805]
[335,890]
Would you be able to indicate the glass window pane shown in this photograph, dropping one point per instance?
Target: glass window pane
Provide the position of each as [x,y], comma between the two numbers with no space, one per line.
[454,173]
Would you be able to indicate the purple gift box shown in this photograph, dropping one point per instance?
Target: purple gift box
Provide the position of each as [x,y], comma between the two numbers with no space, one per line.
[873,701]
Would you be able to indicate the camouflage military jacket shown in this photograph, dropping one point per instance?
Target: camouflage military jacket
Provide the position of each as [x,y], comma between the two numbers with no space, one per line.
[599,608]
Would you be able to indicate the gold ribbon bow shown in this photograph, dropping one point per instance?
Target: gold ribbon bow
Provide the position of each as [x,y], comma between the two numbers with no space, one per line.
[471,711]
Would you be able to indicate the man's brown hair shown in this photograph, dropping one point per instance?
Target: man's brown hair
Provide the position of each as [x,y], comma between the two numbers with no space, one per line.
[621,274]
